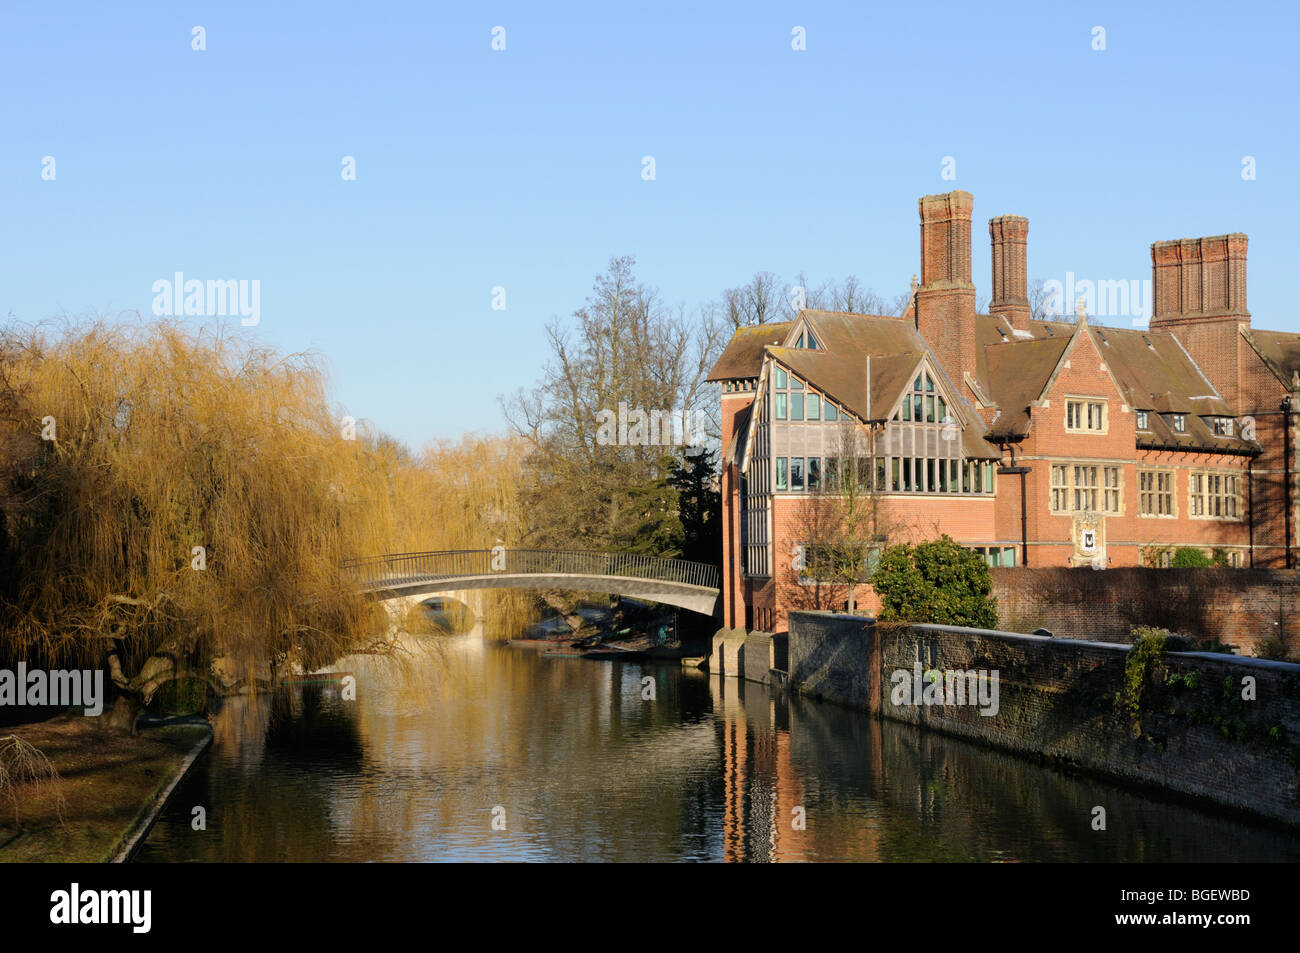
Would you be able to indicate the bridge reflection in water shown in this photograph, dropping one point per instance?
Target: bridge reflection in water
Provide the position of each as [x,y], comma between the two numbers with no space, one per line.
[676,582]
[587,767]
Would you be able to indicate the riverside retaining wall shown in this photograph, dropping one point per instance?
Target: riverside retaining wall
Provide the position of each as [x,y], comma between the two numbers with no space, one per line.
[1208,725]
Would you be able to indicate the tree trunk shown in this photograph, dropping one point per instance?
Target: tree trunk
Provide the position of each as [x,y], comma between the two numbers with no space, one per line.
[126,710]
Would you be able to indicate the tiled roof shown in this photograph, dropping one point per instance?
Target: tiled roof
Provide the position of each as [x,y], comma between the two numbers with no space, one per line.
[1279,350]
[1153,371]
[1017,374]
[1155,374]
[743,355]
[990,329]
[857,348]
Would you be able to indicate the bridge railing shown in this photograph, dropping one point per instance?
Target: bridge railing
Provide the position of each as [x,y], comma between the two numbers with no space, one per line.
[486,562]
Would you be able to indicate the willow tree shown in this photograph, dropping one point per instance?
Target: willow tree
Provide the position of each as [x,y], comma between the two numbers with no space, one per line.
[173,499]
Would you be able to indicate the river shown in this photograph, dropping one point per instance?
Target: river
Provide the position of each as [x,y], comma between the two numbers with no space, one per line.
[480,751]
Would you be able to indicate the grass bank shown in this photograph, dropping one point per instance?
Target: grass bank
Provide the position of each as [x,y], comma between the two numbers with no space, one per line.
[108,789]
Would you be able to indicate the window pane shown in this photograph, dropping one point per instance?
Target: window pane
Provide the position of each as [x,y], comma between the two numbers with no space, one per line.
[907,408]
[831,412]
[929,410]
[894,473]
[780,406]
[781,473]
[795,383]
[917,385]
[796,473]
[929,384]
[907,473]
[796,406]
[779,378]
[916,408]
[814,407]
[943,410]
[814,472]
[929,476]
[988,478]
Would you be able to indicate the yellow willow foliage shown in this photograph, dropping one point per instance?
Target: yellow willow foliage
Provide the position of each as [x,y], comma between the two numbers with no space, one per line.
[197,500]
[464,495]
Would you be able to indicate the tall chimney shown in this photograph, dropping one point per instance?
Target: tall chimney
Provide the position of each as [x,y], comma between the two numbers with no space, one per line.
[1198,279]
[945,302]
[1199,295]
[1009,235]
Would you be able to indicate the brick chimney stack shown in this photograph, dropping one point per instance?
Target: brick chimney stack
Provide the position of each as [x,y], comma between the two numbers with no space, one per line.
[945,301]
[1199,279]
[1009,235]
[1199,294]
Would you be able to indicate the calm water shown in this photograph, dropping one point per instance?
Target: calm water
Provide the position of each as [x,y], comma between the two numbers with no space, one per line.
[579,766]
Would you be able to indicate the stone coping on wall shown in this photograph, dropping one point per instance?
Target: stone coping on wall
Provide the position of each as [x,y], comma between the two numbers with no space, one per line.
[1246,660]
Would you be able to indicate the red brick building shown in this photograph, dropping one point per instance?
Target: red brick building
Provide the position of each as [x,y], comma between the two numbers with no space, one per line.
[1039,443]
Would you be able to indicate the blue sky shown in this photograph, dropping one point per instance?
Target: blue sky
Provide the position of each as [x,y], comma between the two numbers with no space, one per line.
[522,168]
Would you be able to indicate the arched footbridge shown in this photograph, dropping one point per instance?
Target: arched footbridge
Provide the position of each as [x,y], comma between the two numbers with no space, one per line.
[675,582]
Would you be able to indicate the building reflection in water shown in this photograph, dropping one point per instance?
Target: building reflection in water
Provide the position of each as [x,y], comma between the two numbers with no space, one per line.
[609,761]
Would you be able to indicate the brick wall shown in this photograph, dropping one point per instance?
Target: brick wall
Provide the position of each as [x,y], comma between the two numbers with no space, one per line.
[1241,607]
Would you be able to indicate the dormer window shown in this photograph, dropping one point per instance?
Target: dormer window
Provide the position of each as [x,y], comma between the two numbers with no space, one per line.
[1142,420]
[1179,423]
[1222,426]
[807,341]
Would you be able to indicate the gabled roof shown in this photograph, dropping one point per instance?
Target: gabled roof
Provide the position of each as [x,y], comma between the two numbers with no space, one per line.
[743,355]
[1279,350]
[866,361]
[993,330]
[840,367]
[1150,369]
[1018,374]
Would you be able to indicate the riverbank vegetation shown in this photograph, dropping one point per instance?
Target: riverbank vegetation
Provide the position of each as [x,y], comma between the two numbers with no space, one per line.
[938,581]
[171,497]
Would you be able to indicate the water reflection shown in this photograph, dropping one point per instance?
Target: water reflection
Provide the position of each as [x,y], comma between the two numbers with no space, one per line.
[586,767]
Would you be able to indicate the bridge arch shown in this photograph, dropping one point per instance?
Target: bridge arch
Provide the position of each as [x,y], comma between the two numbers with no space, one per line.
[677,582]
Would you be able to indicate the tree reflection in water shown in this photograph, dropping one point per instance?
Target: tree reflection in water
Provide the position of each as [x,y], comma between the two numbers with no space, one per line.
[587,767]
